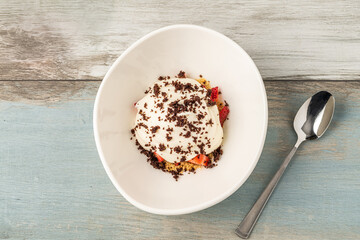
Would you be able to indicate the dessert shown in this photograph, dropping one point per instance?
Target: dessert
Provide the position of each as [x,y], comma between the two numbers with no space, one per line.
[178,125]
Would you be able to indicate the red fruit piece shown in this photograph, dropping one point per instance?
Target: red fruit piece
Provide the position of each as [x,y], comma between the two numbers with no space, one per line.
[200,159]
[223,114]
[160,159]
[214,94]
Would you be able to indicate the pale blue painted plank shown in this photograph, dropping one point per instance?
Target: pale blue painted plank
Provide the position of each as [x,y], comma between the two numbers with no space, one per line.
[53,186]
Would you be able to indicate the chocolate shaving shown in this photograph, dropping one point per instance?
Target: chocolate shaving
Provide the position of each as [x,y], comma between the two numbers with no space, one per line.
[210,103]
[154,129]
[148,90]
[217,153]
[210,122]
[168,137]
[201,146]
[193,128]
[142,125]
[181,74]
[160,105]
[177,149]
[180,121]
[143,115]
[208,93]
[162,147]
[178,85]
[188,134]
[200,116]
[156,90]
[188,87]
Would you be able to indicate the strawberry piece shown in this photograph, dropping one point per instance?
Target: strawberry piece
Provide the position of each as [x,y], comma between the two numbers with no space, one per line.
[160,159]
[214,94]
[223,114]
[200,159]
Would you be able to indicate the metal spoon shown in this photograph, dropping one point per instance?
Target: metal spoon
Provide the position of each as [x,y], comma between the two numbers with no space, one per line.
[311,121]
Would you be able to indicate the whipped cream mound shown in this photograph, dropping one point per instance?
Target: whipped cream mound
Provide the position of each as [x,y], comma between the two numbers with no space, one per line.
[177,120]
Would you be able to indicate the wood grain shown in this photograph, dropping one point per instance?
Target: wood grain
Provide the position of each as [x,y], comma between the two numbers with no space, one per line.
[288,40]
[46,92]
[53,186]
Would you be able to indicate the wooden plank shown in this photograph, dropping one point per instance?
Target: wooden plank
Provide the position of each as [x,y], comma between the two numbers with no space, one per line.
[47,92]
[53,186]
[292,40]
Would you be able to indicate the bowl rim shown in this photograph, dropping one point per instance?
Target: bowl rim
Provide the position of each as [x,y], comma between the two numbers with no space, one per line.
[203,205]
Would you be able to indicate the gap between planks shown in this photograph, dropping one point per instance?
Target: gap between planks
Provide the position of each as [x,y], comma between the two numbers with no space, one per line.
[99,80]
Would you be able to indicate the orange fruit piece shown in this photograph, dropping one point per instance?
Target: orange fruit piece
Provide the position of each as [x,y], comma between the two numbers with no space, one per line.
[200,159]
[160,159]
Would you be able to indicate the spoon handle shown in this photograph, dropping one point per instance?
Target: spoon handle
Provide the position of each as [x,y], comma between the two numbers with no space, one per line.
[248,223]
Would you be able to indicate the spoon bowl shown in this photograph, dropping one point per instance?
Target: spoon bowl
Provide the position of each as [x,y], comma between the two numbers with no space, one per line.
[314,116]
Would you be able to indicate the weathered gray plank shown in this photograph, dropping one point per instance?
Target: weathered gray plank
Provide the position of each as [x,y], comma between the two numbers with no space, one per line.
[81,39]
[47,92]
[52,184]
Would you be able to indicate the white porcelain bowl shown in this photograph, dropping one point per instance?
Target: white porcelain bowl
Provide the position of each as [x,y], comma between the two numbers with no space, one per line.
[196,50]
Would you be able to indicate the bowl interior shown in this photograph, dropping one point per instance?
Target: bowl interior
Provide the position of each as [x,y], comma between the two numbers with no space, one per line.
[195,50]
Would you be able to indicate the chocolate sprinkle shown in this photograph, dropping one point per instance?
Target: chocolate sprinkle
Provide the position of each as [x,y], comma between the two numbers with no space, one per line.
[208,93]
[156,90]
[201,146]
[142,125]
[200,116]
[181,74]
[160,105]
[148,90]
[154,129]
[210,122]
[188,134]
[177,149]
[211,103]
[162,147]
[168,137]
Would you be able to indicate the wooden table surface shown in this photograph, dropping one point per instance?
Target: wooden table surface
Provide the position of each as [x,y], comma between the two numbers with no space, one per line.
[53,56]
